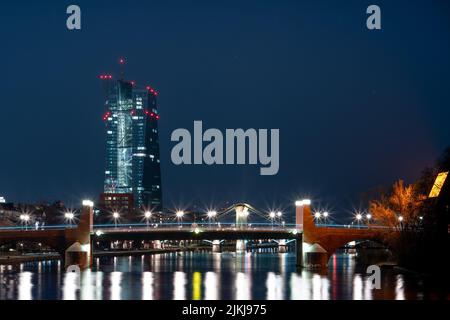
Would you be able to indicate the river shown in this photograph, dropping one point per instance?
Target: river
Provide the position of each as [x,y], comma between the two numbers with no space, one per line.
[206,276]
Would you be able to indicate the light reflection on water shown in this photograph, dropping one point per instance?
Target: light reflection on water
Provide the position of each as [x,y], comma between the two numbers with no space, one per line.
[201,275]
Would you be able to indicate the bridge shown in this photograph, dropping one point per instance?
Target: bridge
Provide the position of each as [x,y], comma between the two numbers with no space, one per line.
[321,242]
[314,243]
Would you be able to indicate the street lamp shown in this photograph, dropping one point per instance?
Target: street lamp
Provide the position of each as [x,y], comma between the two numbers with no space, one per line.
[148,216]
[180,215]
[116,217]
[272,216]
[358,218]
[400,218]
[317,215]
[24,218]
[211,215]
[369,216]
[69,217]
[325,214]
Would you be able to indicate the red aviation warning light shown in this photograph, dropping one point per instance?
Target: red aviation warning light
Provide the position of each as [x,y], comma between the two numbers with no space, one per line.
[152,91]
[122,61]
[106,116]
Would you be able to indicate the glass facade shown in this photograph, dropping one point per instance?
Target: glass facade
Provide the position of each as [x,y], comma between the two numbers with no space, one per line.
[132,144]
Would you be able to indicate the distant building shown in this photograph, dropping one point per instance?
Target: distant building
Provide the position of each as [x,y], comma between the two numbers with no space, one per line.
[117,201]
[133,173]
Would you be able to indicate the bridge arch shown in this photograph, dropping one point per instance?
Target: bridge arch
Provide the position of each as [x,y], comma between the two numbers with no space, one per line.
[323,242]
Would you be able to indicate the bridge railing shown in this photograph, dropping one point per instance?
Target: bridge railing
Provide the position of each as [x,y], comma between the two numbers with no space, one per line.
[191,226]
[202,226]
[350,226]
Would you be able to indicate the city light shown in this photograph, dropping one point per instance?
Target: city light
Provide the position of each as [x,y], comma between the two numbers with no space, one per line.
[180,214]
[272,215]
[368,216]
[400,218]
[211,214]
[148,214]
[359,216]
[88,203]
[325,214]
[116,215]
[69,215]
[306,202]
[279,214]
[317,215]
[25,217]
[301,203]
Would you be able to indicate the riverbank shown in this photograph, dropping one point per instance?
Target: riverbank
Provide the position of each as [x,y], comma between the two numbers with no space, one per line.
[17,259]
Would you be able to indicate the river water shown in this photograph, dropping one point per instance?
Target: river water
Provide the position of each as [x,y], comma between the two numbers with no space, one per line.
[206,275]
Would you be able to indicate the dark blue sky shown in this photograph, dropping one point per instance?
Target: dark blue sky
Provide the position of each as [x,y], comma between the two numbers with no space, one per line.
[355,108]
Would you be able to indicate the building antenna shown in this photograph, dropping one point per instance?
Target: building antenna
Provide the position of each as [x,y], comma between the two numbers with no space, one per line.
[122,68]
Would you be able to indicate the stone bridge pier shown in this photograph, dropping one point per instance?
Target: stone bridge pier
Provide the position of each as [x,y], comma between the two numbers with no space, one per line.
[216,246]
[78,245]
[282,246]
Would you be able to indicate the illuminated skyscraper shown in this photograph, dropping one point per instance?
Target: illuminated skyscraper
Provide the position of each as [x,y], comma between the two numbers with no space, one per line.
[133,174]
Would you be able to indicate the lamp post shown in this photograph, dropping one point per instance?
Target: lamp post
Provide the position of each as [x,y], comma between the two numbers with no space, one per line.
[317,215]
[272,216]
[279,215]
[116,217]
[211,215]
[179,215]
[148,216]
[69,217]
[24,218]
[358,218]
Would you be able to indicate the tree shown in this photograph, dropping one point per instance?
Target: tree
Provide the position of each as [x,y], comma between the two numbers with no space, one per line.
[400,209]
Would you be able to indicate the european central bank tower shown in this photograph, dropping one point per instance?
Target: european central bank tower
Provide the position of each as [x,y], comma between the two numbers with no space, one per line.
[133,173]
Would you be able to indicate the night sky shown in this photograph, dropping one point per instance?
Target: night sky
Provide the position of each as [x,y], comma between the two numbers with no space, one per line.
[356,108]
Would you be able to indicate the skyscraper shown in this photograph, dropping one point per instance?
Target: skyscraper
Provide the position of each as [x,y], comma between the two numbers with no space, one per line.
[133,174]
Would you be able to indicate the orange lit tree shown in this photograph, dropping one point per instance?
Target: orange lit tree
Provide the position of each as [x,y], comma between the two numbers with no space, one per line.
[400,209]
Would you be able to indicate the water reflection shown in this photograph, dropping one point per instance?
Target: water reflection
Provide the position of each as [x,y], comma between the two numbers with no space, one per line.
[274,284]
[116,285]
[202,275]
[212,286]
[147,286]
[25,286]
[179,284]
[70,286]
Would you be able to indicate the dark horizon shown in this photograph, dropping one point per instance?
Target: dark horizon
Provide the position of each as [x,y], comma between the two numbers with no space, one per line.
[356,109]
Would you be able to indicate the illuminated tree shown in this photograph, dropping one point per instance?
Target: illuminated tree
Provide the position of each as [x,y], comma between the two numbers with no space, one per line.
[400,209]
